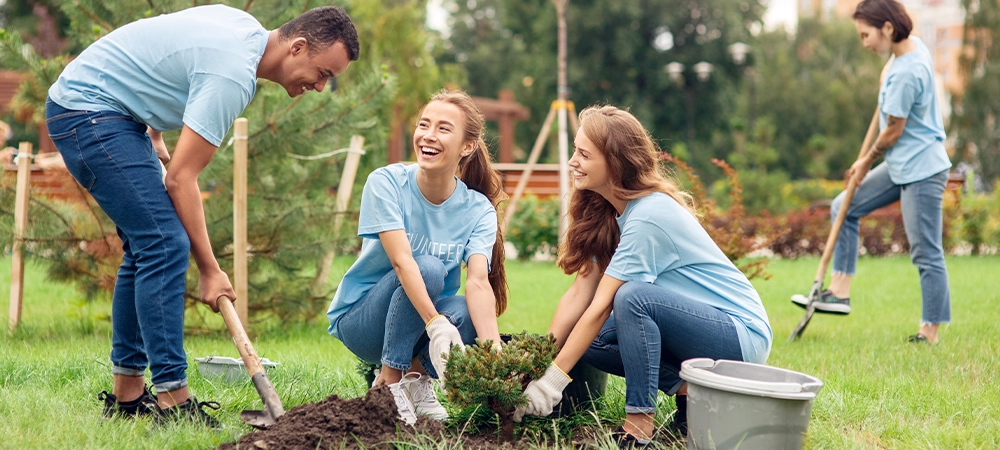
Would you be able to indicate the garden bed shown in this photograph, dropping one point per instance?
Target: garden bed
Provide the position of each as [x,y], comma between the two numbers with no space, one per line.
[364,422]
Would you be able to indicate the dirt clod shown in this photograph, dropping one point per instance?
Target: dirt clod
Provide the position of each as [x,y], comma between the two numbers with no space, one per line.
[368,422]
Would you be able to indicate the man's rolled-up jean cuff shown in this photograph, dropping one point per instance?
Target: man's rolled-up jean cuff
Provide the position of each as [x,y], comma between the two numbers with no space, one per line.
[170,386]
[128,371]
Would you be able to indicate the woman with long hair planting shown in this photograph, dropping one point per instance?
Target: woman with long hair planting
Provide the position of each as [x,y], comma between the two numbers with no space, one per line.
[396,306]
[652,289]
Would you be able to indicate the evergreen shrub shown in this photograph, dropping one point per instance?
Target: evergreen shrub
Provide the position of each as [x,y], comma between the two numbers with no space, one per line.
[491,376]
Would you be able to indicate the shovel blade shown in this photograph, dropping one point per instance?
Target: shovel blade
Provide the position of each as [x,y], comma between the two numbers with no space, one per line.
[801,327]
[257,418]
[810,309]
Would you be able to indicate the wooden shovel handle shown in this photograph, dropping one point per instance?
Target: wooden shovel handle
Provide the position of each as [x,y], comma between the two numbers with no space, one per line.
[247,353]
[838,221]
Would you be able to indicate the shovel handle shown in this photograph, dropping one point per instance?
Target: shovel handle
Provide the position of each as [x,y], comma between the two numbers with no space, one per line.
[852,185]
[247,353]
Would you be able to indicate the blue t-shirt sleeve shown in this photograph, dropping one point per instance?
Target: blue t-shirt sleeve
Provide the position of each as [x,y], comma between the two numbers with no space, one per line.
[214,102]
[380,207]
[901,90]
[483,237]
[643,252]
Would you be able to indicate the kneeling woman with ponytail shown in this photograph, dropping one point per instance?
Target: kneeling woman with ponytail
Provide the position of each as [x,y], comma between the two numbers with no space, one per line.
[652,289]
[396,306]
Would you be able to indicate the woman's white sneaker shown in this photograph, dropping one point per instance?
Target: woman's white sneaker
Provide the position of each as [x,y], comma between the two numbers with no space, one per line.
[404,406]
[421,391]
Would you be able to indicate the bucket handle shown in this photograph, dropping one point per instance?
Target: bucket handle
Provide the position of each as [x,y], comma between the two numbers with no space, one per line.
[813,386]
[784,387]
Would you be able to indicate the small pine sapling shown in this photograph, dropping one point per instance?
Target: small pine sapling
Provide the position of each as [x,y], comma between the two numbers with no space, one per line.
[495,377]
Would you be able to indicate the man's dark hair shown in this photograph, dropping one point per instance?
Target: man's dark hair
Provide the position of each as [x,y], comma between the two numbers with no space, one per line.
[877,12]
[323,27]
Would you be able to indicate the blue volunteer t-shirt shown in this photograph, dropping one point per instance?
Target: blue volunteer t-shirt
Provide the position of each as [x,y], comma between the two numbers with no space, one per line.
[196,67]
[908,92]
[663,244]
[464,225]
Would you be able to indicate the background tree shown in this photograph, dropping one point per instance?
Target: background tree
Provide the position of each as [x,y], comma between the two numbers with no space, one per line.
[813,97]
[975,112]
[39,22]
[290,205]
[617,51]
[808,101]
[819,89]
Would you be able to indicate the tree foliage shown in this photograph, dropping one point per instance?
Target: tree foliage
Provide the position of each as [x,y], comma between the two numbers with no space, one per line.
[975,117]
[616,54]
[816,90]
[819,89]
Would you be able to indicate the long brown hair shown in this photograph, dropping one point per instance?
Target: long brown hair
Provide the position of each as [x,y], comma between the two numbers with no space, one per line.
[479,175]
[634,171]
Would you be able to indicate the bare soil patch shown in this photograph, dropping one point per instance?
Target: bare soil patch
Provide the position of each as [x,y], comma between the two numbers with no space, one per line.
[364,422]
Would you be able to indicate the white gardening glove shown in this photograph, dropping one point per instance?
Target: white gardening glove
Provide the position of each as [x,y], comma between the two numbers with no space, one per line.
[443,335]
[543,393]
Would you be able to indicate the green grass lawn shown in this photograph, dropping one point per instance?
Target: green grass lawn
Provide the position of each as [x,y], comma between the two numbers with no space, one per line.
[880,392]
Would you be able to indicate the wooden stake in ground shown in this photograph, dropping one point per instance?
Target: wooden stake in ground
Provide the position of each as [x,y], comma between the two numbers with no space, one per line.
[20,226]
[562,110]
[344,189]
[347,178]
[240,275]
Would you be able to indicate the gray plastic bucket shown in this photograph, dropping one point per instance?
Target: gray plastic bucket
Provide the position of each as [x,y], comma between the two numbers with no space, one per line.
[734,404]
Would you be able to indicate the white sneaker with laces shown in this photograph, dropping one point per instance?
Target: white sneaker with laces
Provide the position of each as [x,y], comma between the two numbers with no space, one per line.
[425,401]
[404,406]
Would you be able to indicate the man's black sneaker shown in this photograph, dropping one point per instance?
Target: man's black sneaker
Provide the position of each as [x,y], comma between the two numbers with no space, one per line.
[826,303]
[191,410]
[134,408]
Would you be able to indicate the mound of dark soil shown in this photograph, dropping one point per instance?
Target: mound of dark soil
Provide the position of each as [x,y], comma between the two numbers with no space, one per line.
[366,422]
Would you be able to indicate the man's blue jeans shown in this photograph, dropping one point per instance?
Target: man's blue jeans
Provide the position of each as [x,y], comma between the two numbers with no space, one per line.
[385,328]
[112,157]
[651,331]
[921,205]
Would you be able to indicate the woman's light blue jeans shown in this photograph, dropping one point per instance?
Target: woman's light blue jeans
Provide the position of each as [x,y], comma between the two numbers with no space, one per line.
[112,157]
[651,331]
[922,218]
[385,328]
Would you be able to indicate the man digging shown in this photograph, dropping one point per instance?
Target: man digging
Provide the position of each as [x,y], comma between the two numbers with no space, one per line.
[193,70]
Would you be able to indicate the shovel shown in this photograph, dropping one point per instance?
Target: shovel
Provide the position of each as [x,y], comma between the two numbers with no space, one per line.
[831,240]
[272,404]
[824,261]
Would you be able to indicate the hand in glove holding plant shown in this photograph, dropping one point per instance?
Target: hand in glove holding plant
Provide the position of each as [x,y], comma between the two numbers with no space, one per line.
[443,335]
[543,393]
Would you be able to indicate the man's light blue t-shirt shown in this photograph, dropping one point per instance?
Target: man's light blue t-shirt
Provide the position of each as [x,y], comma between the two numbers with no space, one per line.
[663,244]
[464,225]
[908,92]
[196,67]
